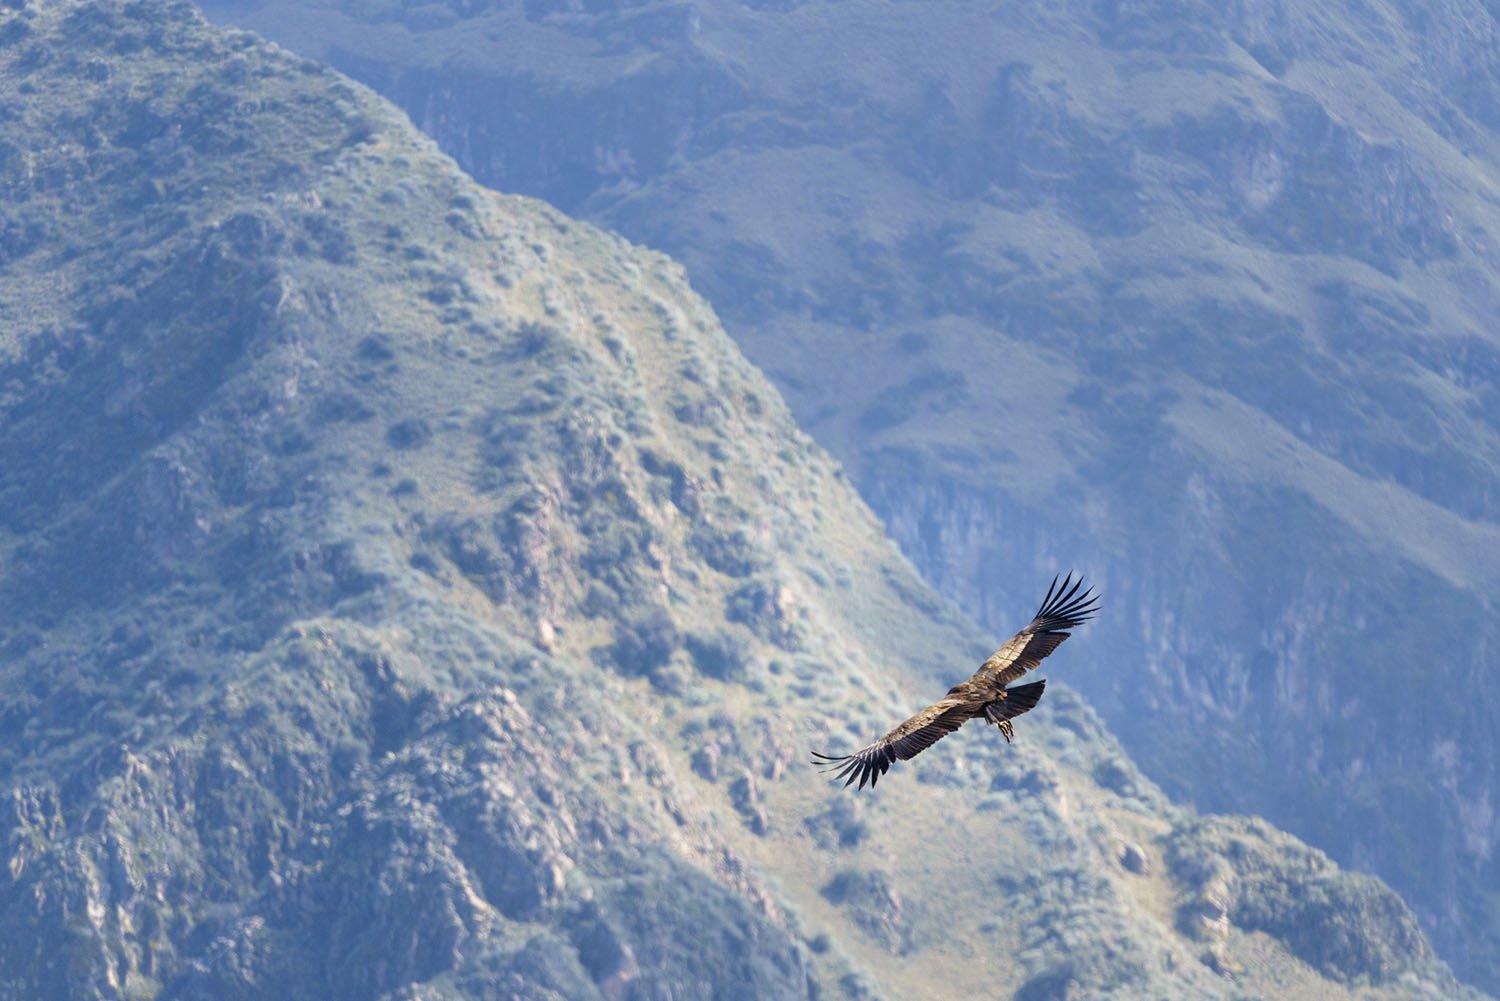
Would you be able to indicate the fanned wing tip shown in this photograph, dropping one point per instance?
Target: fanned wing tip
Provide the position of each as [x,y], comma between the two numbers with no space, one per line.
[1050,589]
[1064,606]
[841,766]
[850,767]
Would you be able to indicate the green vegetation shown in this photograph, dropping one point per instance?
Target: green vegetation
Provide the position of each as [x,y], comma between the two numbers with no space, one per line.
[1197,297]
[407,592]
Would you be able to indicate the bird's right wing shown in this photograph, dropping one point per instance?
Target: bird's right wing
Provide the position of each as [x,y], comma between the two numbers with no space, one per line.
[1062,609]
[906,741]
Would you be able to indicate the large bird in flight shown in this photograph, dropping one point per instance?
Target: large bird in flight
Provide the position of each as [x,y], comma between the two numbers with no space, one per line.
[985,694]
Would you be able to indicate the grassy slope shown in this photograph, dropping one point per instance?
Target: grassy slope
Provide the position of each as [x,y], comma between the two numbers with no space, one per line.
[410,592]
[1206,296]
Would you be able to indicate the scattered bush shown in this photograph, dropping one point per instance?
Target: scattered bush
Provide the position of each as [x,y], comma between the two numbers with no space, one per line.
[719,654]
[644,642]
[409,434]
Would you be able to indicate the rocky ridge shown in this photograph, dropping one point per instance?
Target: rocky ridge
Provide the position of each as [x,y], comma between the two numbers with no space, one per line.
[1203,292]
[410,592]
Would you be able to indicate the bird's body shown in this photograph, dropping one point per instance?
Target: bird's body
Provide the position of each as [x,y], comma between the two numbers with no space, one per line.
[987,694]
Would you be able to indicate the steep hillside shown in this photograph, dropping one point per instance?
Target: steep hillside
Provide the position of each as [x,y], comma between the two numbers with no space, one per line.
[1203,292]
[407,592]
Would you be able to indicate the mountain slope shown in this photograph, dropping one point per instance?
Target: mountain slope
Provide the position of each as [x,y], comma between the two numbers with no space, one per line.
[410,592]
[1204,292]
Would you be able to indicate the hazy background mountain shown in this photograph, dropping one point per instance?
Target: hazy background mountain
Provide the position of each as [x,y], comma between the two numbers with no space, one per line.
[407,592]
[1201,296]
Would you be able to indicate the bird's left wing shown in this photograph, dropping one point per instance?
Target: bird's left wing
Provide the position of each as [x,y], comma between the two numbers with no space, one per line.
[1066,605]
[906,741]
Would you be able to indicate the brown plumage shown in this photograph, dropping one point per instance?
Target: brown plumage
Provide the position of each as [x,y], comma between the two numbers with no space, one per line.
[985,694]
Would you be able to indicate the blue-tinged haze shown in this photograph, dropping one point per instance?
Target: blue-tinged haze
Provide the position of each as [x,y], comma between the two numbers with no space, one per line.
[410,593]
[1201,297]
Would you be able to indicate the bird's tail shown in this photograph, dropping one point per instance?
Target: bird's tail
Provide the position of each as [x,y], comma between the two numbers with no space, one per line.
[1017,700]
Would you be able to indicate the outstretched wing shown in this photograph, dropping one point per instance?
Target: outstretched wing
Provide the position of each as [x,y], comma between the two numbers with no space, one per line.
[906,741]
[1062,609]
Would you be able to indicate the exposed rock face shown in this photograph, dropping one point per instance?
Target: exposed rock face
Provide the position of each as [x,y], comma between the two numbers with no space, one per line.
[1283,691]
[1240,876]
[410,593]
[1198,296]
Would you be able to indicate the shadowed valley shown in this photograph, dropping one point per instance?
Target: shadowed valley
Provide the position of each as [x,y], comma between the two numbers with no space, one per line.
[409,592]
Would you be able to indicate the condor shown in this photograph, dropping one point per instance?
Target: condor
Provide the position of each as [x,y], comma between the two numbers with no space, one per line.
[985,694]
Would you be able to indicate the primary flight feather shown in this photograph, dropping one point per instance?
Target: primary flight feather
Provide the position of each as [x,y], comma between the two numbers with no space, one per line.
[1066,606]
